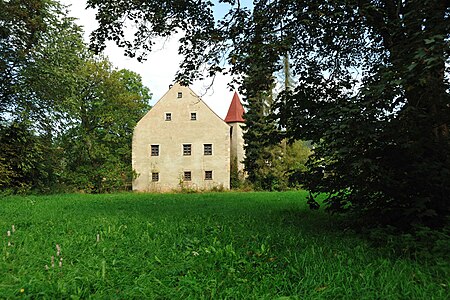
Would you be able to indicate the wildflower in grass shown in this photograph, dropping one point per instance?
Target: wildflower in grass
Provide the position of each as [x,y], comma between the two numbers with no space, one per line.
[13,228]
[98,237]
[8,233]
[60,262]
[195,253]
[58,250]
[9,244]
[53,261]
[22,290]
[46,267]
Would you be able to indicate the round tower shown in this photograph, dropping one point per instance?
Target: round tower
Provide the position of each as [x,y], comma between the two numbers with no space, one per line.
[235,118]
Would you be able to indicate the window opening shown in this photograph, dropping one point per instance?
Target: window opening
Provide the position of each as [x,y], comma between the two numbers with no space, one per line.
[155,176]
[155,150]
[208,175]
[187,149]
[207,149]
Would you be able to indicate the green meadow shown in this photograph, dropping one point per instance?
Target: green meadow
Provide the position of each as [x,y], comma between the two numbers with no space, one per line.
[198,246]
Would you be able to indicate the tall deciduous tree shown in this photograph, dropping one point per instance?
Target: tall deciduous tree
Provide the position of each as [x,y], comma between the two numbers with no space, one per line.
[39,50]
[372,90]
[106,106]
[21,23]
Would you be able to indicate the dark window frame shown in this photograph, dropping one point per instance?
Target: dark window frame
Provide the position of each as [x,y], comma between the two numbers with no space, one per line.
[187,176]
[207,149]
[155,176]
[154,150]
[187,149]
[168,116]
[208,175]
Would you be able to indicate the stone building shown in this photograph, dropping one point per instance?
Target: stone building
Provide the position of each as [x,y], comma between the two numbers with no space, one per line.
[182,143]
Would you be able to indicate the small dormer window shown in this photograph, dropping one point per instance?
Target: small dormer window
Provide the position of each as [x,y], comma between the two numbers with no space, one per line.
[180,95]
[168,116]
[193,116]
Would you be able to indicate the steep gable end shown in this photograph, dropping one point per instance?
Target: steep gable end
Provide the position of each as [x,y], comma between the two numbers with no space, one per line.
[181,99]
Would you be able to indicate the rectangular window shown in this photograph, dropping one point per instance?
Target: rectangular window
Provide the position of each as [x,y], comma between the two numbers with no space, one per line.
[187,176]
[168,116]
[180,95]
[193,116]
[155,150]
[208,175]
[155,176]
[187,149]
[207,149]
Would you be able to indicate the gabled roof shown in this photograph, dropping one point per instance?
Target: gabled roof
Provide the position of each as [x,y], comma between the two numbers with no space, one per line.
[236,110]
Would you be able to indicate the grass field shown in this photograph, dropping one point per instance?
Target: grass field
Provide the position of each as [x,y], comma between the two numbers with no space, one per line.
[198,246]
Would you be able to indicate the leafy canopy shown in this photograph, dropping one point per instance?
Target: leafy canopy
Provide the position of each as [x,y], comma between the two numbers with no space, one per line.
[371,92]
[66,116]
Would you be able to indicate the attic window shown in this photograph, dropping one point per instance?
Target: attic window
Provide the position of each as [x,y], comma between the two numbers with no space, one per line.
[180,95]
[168,116]
[193,116]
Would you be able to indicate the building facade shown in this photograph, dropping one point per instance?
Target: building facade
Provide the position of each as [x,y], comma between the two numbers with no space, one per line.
[181,143]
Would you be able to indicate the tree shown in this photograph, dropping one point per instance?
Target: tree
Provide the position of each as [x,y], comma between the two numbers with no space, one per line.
[372,92]
[106,106]
[21,23]
[22,159]
[281,166]
[66,117]
[39,50]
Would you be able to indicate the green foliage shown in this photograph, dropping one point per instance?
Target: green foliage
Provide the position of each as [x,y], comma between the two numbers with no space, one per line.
[39,51]
[104,110]
[67,117]
[216,245]
[22,24]
[17,158]
[372,90]
[280,166]
[422,243]
[236,181]
[382,150]
[24,159]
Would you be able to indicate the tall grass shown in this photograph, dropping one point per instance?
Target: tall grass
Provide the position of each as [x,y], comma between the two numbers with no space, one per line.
[199,246]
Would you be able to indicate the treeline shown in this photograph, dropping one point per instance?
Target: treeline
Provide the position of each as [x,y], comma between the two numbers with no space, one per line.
[66,115]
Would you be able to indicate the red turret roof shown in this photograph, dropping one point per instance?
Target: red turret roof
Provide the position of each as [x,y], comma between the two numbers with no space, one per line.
[236,110]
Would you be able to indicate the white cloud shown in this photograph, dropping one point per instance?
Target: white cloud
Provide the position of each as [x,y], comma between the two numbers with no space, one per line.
[159,70]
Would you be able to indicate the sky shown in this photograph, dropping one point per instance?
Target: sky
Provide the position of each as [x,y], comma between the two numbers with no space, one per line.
[159,70]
